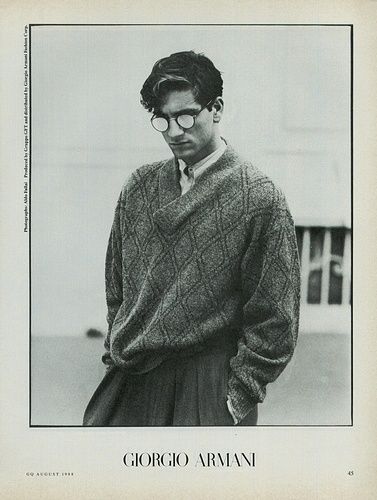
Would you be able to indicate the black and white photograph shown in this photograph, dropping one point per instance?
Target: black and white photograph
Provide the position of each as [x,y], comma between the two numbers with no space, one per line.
[187,199]
[191,225]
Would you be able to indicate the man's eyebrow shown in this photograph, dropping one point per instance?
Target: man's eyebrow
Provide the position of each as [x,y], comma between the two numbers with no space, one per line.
[185,110]
[180,112]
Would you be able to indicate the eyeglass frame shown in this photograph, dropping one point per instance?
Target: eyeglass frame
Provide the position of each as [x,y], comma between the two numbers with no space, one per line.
[168,120]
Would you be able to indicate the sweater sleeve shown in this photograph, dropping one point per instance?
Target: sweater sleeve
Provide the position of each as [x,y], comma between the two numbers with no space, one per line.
[113,279]
[271,290]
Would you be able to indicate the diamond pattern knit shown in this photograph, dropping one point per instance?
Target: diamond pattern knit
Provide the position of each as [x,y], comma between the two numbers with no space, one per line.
[220,260]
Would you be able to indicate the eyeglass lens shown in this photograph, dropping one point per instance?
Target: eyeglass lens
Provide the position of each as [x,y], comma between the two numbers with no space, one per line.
[161,124]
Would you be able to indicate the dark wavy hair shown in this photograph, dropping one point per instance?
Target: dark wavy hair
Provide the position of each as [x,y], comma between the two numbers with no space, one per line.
[182,71]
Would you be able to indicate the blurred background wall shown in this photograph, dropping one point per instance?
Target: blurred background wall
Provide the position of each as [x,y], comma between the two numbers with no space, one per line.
[287,109]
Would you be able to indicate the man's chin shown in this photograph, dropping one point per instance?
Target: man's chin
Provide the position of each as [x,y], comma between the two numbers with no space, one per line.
[185,156]
[188,156]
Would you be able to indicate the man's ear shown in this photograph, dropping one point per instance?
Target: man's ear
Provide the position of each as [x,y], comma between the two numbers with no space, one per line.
[218,107]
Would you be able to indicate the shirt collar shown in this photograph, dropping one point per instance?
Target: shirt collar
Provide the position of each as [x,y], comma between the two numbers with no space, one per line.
[197,168]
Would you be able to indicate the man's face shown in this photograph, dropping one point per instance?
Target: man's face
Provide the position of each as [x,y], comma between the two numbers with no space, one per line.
[191,145]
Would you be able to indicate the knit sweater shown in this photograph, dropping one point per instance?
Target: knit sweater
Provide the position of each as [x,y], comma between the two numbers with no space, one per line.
[219,260]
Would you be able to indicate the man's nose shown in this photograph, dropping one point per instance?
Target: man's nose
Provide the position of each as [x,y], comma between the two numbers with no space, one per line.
[174,129]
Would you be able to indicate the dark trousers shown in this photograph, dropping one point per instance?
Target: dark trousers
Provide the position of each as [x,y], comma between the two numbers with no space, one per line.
[182,391]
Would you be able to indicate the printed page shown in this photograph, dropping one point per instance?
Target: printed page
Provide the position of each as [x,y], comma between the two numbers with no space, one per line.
[299,95]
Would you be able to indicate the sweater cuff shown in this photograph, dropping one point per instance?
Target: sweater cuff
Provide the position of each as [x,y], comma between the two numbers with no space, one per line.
[239,401]
[107,361]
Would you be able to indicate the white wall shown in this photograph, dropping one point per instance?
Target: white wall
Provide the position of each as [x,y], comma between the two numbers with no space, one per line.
[287,109]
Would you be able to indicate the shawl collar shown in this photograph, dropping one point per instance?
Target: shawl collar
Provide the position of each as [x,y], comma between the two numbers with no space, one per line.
[174,209]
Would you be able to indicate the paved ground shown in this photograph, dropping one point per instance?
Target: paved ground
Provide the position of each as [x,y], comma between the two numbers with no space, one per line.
[313,390]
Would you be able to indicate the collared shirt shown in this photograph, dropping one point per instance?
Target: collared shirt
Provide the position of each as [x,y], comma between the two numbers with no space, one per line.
[190,174]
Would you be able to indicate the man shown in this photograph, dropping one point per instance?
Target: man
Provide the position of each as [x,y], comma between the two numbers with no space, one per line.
[202,272]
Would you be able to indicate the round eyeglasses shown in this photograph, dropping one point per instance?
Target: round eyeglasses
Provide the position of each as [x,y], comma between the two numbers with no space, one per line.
[185,120]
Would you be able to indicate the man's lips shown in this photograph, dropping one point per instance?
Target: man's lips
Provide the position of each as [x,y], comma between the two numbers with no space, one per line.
[178,143]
